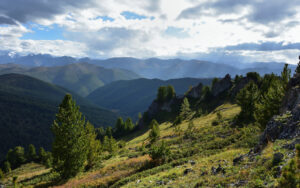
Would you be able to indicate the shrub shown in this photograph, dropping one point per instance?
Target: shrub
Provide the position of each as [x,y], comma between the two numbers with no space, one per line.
[154,132]
[288,178]
[159,153]
[2,176]
[7,167]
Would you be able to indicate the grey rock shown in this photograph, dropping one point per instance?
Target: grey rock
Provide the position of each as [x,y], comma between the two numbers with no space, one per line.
[195,92]
[221,85]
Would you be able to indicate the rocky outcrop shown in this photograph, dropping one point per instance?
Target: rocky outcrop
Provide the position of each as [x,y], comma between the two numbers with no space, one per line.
[195,92]
[286,125]
[240,85]
[156,107]
[221,85]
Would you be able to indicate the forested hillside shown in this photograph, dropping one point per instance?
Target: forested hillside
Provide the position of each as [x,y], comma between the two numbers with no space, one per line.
[134,96]
[80,78]
[28,108]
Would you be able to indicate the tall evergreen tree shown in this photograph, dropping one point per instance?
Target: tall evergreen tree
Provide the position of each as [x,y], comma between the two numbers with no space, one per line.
[246,99]
[298,67]
[16,157]
[7,167]
[269,102]
[129,124]
[286,75]
[31,154]
[70,146]
[94,145]
[119,124]
[170,92]
[108,132]
[185,108]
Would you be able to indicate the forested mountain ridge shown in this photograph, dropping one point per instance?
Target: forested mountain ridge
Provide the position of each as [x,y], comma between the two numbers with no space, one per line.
[81,78]
[131,97]
[28,107]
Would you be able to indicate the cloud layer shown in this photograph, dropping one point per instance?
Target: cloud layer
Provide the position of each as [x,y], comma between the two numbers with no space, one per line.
[244,30]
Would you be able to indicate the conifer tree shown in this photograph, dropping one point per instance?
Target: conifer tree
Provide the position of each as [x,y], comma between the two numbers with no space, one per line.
[119,124]
[16,157]
[246,99]
[129,124]
[70,146]
[31,154]
[286,75]
[108,131]
[298,67]
[7,167]
[154,131]
[170,92]
[269,103]
[185,108]
[94,145]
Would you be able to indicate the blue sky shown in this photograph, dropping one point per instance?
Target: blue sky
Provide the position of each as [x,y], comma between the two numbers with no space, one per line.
[255,30]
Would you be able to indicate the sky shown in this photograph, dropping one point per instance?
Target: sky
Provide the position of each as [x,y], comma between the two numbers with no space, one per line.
[213,30]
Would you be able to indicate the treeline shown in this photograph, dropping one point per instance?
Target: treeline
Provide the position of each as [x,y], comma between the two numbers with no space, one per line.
[262,97]
[17,156]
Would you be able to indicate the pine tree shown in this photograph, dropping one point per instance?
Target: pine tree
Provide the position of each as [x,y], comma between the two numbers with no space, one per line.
[286,75]
[269,103]
[108,131]
[16,157]
[298,67]
[154,131]
[94,148]
[246,99]
[31,154]
[170,92]
[185,108]
[109,144]
[7,167]
[129,124]
[70,146]
[119,124]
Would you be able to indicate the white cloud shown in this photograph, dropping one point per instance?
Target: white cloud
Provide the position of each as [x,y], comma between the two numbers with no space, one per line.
[207,25]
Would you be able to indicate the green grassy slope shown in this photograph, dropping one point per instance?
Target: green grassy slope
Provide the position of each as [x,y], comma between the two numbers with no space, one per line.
[28,107]
[134,96]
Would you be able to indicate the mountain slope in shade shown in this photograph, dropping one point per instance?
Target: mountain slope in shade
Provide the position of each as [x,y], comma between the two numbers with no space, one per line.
[81,78]
[134,96]
[28,107]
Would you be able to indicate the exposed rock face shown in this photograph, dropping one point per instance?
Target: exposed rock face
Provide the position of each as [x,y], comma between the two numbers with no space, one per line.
[240,85]
[287,125]
[195,92]
[155,107]
[222,85]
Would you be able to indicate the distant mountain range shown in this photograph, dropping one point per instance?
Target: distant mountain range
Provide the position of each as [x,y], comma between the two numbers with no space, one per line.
[133,96]
[153,67]
[28,107]
[81,78]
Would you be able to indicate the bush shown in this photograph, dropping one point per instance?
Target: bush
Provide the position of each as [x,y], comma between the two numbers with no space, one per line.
[288,178]
[159,153]
[154,132]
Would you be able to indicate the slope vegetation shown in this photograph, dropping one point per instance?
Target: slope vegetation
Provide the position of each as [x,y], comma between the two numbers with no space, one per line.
[134,96]
[28,107]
